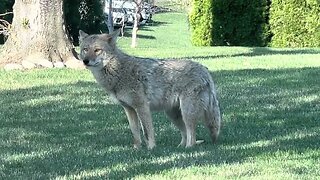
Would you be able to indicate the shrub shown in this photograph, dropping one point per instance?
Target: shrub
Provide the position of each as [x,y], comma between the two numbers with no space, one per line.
[240,23]
[295,23]
[201,20]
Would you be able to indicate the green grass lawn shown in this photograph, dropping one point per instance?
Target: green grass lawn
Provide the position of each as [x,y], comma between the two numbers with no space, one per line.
[58,123]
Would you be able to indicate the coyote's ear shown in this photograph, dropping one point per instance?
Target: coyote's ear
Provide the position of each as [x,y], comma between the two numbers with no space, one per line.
[111,38]
[82,35]
[115,33]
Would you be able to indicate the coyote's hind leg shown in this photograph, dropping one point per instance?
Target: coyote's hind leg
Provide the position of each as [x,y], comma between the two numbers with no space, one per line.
[175,115]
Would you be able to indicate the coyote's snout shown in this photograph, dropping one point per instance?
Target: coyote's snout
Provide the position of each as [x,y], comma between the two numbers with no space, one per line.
[183,89]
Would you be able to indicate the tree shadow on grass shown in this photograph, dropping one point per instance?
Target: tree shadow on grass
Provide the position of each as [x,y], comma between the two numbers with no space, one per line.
[261,51]
[73,130]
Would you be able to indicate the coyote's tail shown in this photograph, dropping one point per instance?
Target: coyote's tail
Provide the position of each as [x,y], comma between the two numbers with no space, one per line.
[212,114]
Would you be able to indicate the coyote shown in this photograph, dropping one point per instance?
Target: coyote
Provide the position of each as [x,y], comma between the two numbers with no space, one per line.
[183,89]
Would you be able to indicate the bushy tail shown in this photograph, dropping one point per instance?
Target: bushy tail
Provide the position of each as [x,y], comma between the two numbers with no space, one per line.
[213,115]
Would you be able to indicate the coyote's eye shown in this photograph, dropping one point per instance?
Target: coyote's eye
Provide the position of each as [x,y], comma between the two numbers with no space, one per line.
[97,51]
[85,50]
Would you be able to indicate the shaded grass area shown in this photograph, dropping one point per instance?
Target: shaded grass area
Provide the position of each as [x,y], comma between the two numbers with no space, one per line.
[70,129]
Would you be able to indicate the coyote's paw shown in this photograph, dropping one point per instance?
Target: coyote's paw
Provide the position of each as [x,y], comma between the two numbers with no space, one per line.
[183,142]
[136,146]
[196,143]
[150,146]
[199,141]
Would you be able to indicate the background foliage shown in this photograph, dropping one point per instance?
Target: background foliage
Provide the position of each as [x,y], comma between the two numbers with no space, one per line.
[290,23]
[295,23]
[228,22]
[240,23]
[201,19]
[79,14]
[5,6]
[86,15]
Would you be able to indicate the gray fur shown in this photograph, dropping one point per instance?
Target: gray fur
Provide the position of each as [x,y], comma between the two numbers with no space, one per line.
[183,89]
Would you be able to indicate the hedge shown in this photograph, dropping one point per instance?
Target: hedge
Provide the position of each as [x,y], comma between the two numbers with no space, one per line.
[240,22]
[229,22]
[295,23]
[201,21]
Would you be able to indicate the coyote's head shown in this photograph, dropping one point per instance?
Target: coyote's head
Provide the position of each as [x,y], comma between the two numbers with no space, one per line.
[97,47]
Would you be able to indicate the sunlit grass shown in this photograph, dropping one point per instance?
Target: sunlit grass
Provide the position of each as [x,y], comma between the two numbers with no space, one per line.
[59,124]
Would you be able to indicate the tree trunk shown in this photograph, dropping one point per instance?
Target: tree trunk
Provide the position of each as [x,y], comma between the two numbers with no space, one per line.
[136,23]
[110,17]
[37,33]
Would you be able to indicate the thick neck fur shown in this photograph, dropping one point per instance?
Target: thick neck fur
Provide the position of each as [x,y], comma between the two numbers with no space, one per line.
[108,73]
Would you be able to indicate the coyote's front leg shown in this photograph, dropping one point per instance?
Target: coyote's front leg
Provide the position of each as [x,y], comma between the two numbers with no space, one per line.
[134,126]
[144,115]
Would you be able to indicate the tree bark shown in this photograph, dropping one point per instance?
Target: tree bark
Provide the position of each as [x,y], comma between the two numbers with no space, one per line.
[37,33]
